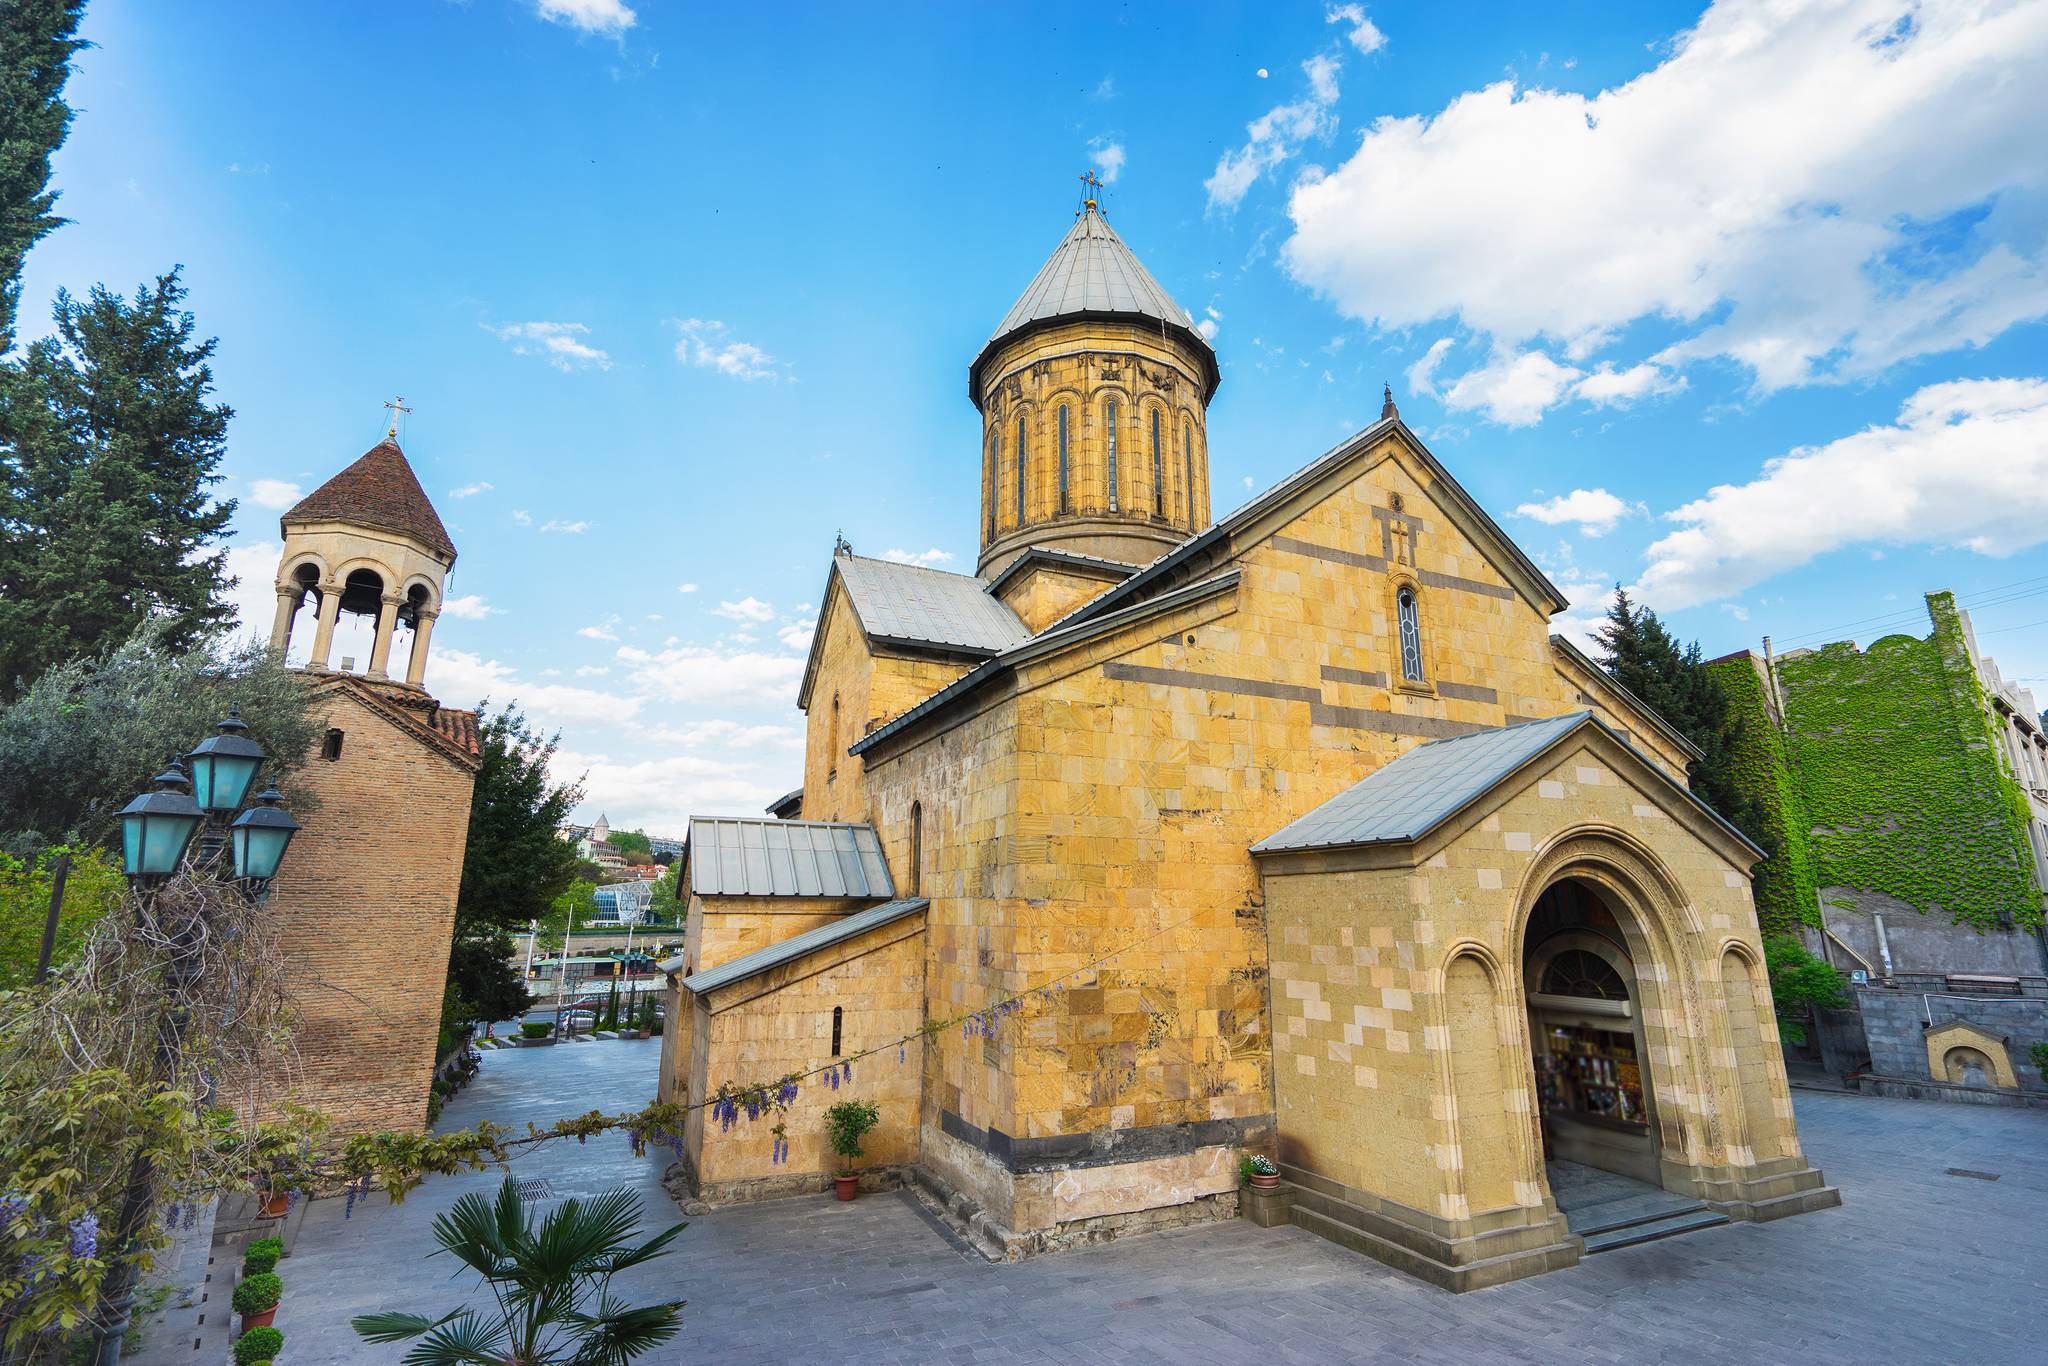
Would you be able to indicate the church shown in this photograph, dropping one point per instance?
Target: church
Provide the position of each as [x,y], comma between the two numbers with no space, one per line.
[1162,839]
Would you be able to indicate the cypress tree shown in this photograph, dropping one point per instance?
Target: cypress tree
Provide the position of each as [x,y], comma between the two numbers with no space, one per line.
[37,41]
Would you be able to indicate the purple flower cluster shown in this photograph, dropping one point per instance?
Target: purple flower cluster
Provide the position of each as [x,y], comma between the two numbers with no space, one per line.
[786,1094]
[12,1207]
[357,1190]
[780,1152]
[85,1236]
[726,1111]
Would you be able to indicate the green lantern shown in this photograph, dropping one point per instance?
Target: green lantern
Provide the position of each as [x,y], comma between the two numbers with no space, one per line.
[156,826]
[260,836]
[225,765]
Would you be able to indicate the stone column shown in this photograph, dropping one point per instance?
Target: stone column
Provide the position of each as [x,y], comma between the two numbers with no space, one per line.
[281,625]
[323,639]
[422,632]
[387,626]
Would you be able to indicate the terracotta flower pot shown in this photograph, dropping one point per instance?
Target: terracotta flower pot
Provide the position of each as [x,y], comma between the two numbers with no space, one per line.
[1265,1183]
[259,1320]
[847,1186]
[276,1204]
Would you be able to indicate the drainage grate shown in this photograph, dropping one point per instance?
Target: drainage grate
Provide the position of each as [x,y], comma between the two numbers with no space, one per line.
[537,1188]
[1975,1176]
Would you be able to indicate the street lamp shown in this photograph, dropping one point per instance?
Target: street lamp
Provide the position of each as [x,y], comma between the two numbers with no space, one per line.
[260,835]
[156,826]
[225,765]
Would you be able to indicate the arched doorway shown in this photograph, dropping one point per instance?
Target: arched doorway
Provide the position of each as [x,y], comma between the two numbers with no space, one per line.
[1595,1105]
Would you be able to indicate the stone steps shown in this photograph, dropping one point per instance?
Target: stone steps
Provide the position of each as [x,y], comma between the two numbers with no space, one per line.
[1648,1228]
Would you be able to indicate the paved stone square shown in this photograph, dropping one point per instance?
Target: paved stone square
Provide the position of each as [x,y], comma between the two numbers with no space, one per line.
[1917,1266]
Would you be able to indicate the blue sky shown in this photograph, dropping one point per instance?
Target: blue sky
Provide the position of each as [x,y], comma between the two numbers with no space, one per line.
[1743,310]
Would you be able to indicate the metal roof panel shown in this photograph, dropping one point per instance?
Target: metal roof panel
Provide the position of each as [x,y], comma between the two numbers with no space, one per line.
[789,950]
[911,602]
[761,856]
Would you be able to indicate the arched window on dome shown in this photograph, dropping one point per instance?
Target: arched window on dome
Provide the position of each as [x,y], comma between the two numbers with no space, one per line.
[1409,616]
[1158,471]
[1020,469]
[1063,458]
[995,442]
[1112,455]
[1187,462]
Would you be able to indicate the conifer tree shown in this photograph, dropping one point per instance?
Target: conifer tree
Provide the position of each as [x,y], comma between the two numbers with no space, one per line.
[1641,655]
[37,41]
[110,451]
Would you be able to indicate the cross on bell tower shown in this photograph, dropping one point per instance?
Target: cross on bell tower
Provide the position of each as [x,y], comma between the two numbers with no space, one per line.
[398,408]
[1091,197]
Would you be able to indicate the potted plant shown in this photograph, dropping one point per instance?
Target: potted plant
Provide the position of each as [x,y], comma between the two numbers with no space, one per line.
[256,1299]
[536,1033]
[262,1255]
[1258,1171]
[846,1124]
[258,1344]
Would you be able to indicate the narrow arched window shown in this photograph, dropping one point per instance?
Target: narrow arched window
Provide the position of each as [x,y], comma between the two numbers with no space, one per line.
[994,441]
[330,748]
[1158,471]
[1063,457]
[1187,461]
[1411,634]
[1020,471]
[832,743]
[916,847]
[838,1020]
[1112,455]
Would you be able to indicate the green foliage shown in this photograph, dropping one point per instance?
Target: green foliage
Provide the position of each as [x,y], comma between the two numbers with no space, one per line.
[2038,1052]
[634,844]
[38,38]
[258,1344]
[665,907]
[550,1295]
[111,455]
[1675,683]
[259,1292]
[1784,886]
[1903,781]
[646,1020]
[1253,1164]
[1799,982]
[573,910]
[87,736]
[536,1029]
[484,978]
[261,1255]
[93,888]
[610,1019]
[846,1124]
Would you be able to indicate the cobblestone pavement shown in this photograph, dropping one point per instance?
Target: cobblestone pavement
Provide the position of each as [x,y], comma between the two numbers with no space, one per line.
[1917,1266]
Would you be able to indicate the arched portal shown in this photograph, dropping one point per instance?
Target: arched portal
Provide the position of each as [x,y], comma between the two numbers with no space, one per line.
[1595,1102]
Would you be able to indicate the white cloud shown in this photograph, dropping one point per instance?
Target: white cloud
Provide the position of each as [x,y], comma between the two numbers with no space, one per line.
[1965,466]
[469,608]
[1815,191]
[603,630]
[700,675]
[472,490]
[1277,134]
[565,528]
[521,517]
[746,609]
[1513,388]
[928,558]
[686,588]
[274,493]
[662,793]
[254,596]
[796,635]
[1609,387]
[1109,158]
[593,670]
[560,344]
[1593,511]
[462,678]
[730,733]
[608,17]
[1363,33]
[708,344]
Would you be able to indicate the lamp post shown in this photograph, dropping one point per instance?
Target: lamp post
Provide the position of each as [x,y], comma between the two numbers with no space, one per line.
[156,831]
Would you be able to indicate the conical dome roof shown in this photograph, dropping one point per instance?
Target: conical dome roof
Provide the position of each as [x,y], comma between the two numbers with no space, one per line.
[1092,274]
[379,490]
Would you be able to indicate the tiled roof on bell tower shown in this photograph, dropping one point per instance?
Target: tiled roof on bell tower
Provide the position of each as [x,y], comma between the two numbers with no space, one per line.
[379,490]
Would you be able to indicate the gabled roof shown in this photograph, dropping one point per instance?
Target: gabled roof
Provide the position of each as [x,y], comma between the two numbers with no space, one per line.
[789,950]
[787,805]
[1067,561]
[451,731]
[379,490]
[1092,274]
[1402,801]
[1631,703]
[910,606]
[757,856]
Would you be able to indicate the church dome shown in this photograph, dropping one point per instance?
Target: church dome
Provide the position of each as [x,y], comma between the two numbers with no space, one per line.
[379,490]
[1093,276]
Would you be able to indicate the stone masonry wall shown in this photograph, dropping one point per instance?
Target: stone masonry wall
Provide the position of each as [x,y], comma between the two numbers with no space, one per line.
[1894,1024]
[367,894]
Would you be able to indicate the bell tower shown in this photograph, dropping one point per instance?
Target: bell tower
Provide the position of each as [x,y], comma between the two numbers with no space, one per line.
[1094,395]
[367,542]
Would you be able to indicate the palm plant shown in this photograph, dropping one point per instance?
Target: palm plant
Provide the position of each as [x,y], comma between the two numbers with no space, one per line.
[551,1286]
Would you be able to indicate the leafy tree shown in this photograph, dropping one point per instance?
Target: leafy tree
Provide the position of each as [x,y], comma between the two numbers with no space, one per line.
[89,735]
[550,1297]
[515,866]
[666,907]
[110,450]
[94,887]
[571,912]
[634,845]
[1642,656]
[1800,982]
[38,38]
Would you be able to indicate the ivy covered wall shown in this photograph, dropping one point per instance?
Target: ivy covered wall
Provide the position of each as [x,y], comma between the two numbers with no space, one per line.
[1784,885]
[1888,778]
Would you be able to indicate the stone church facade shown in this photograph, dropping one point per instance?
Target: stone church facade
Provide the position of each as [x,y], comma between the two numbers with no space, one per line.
[1228,835]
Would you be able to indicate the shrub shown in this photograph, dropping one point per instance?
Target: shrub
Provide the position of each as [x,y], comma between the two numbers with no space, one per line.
[536,1029]
[258,1344]
[1252,1164]
[262,1256]
[259,1292]
[846,1124]
[2039,1053]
